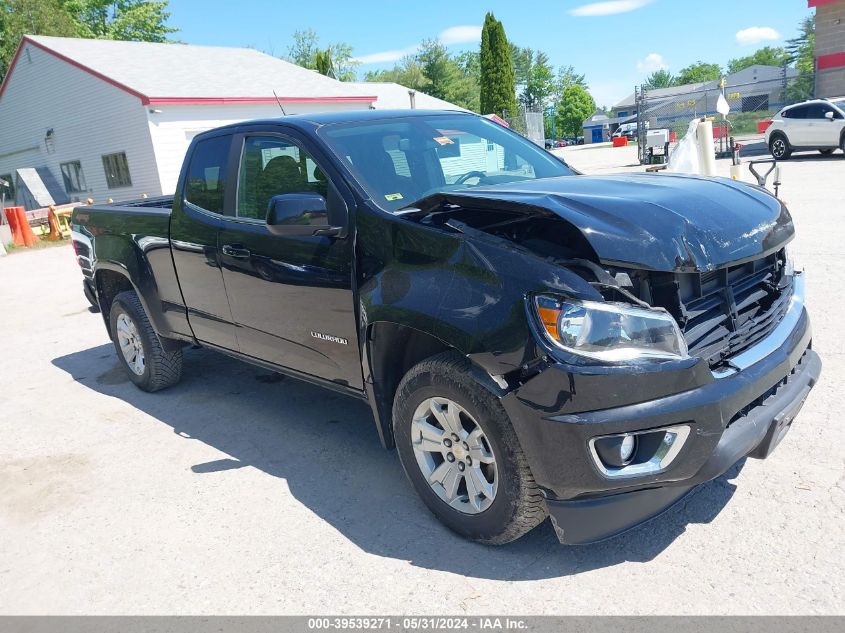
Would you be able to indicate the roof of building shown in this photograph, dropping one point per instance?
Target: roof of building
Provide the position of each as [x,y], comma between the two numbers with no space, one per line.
[182,73]
[393,96]
[747,75]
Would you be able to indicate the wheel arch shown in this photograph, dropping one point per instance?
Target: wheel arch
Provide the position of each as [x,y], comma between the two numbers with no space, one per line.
[390,350]
[110,279]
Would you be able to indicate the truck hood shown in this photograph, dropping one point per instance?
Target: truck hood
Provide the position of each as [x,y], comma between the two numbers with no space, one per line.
[664,222]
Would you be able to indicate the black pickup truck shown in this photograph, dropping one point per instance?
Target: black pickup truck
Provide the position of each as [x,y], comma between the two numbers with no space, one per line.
[533,341]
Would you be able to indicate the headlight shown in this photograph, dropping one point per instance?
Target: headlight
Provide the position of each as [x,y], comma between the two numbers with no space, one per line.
[793,259]
[609,331]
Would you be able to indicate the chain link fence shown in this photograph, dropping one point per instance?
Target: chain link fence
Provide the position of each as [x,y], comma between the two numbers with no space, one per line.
[750,102]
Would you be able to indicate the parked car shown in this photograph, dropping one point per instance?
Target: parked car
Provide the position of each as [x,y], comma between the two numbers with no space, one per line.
[532,341]
[812,125]
[628,131]
[580,140]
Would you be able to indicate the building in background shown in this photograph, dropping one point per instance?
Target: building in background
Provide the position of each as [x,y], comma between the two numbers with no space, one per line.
[109,119]
[597,128]
[393,96]
[830,47]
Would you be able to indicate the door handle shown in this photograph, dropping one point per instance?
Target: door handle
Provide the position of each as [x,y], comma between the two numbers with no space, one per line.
[234,251]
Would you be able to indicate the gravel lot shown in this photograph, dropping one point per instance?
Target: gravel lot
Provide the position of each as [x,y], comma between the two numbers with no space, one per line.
[239,492]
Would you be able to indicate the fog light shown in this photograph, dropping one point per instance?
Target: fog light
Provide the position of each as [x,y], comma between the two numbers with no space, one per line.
[617,450]
[639,453]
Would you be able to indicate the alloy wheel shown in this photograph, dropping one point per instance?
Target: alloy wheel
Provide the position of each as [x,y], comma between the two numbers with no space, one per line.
[454,455]
[130,344]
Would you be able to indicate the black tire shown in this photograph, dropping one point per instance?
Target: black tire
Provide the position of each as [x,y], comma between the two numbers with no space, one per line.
[161,369]
[518,505]
[826,152]
[779,147]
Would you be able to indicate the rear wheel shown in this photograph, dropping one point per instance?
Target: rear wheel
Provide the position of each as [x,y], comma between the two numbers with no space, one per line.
[779,147]
[138,347]
[459,449]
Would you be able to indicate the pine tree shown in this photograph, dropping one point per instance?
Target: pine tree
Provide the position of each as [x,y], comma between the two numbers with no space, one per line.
[498,84]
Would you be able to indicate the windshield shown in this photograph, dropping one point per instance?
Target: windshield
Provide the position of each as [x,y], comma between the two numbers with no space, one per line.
[840,103]
[401,160]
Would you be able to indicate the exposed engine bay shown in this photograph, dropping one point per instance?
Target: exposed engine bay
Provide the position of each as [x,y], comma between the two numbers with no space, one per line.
[720,312]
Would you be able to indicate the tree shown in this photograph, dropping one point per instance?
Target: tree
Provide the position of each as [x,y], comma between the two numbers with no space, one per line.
[660,79]
[767,56]
[575,107]
[139,20]
[440,70]
[407,72]
[335,61]
[522,60]
[497,82]
[136,20]
[566,76]
[802,53]
[698,72]
[304,48]
[36,17]
[539,84]
[802,49]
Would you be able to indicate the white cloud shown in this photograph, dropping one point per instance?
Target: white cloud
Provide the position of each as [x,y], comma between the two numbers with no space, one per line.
[385,57]
[460,35]
[756,34]
[652,63]
[612,7]
[453,35]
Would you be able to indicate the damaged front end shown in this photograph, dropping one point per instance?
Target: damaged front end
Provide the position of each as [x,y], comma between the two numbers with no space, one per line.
[628,382]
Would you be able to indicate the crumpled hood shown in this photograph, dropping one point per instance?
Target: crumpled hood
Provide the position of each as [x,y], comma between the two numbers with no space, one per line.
[664,222]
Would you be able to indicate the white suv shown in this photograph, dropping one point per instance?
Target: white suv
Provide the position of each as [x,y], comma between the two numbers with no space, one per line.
[811,125]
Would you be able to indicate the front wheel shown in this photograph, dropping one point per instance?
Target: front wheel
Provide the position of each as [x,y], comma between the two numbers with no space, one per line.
[459,449]
[779,147]
[146,362]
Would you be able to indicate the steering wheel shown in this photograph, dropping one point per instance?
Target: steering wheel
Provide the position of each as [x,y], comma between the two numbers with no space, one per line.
[470,174]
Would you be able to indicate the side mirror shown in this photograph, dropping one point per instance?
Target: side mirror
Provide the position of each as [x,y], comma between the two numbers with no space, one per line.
[829,115]
[300,214]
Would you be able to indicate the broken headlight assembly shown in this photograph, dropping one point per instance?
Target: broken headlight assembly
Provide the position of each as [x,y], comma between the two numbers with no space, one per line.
[609,332]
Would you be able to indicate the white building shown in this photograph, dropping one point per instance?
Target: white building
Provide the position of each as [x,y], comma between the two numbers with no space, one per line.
[112,119]
[393,96]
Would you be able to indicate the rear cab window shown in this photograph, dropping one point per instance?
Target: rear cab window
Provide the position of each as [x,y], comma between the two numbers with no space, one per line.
[206,181]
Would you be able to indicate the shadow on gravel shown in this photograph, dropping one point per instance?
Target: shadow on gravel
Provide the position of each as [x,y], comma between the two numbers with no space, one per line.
[324,445]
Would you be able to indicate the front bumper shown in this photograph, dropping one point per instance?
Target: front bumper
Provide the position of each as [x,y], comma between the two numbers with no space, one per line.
[731,416]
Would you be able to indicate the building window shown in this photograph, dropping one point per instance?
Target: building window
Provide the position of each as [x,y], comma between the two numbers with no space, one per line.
[7,192]
[117,170]
[73,177]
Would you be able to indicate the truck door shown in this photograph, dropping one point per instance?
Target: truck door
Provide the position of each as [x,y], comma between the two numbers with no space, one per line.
[290,292]
[194,227]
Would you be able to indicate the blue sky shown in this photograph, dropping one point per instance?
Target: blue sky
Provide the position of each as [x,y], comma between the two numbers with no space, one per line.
[616,44]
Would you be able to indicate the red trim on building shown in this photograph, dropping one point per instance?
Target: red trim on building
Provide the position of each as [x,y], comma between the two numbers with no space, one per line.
[145,100]
[231,100]
[834,60]
[25,40]
[820,3]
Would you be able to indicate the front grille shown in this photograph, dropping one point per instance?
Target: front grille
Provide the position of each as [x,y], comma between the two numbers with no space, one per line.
[726,311]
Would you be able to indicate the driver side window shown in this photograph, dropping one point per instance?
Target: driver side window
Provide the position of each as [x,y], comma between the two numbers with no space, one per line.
[271,166]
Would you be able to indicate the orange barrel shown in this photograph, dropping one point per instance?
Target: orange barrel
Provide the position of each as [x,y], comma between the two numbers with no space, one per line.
[12,217]
[29,238]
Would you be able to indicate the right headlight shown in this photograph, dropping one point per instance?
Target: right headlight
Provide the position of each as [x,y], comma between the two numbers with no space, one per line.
[609,332]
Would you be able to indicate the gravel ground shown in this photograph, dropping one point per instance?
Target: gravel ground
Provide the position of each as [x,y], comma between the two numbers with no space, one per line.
[239,492]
